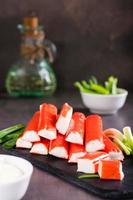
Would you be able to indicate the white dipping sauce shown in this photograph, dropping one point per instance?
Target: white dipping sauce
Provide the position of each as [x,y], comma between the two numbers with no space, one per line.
[9,172]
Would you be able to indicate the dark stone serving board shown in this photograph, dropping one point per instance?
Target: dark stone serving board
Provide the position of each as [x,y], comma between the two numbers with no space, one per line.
[102,188]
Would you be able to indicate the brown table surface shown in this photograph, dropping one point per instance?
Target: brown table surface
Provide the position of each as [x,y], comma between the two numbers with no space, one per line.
[44,185]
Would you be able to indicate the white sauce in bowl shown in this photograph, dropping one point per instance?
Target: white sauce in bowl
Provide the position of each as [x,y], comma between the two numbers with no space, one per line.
[9,172]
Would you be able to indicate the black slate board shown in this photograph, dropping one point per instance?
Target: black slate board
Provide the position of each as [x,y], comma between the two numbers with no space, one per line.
[104,189]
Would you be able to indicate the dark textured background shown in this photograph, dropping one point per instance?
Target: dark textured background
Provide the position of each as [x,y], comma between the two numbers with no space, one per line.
[92,37]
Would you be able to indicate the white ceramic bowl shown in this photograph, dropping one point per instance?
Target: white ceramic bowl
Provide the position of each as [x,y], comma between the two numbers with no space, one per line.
[104,104]
[16,189]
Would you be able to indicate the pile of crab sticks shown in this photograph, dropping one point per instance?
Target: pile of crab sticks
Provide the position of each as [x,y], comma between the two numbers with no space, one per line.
[78,138]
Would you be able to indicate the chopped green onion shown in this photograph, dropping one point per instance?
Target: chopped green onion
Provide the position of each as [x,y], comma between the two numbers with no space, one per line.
[123,147]
[94,80]
[88,176]
[85,84]
[99,89]
[92,86]
[82,89]
[9,130]
[111,85]
[9,144]
[129,137]
[9,141]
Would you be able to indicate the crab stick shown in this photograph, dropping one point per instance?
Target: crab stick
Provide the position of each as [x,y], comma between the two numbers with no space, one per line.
[75,133]
[59,147]
[40,147]
[31,132]
[21,143]
[93,133]
[46,127]
[64,118]
[89,162]
[110,169]
[75,151]
[110,147]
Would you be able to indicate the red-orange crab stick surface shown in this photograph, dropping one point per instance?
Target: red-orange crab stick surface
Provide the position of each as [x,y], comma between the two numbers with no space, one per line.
[94,133]
[75,133]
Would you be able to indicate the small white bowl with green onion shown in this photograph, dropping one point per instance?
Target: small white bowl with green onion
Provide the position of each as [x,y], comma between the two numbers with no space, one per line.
[102,99]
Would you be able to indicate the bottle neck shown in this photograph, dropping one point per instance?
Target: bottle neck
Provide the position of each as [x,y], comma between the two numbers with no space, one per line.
[32,44]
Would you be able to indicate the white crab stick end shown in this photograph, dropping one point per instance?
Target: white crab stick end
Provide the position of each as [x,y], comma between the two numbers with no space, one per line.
[74,137]
[75,151]
[75,156]
[89,162]
[86,166]
[116,156]
[39,148]
[94,145]
[59,152]
[48,134]
[63,121]
[31,136]
[23,144]
[59,147]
